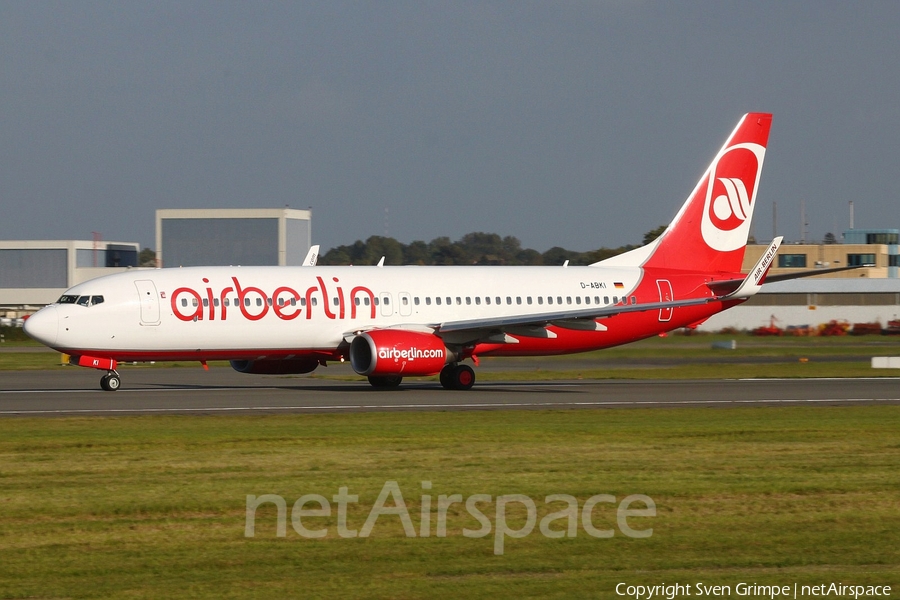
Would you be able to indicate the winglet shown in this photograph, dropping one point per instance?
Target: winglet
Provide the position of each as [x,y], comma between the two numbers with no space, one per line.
[312,257]
[754,280]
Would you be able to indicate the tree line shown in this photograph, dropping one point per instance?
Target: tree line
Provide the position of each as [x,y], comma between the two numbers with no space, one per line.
[476,248]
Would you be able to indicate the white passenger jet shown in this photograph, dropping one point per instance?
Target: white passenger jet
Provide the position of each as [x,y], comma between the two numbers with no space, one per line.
[392,322]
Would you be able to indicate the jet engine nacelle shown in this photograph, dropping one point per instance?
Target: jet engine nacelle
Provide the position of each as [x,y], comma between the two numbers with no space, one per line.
[397,352]
[276,366]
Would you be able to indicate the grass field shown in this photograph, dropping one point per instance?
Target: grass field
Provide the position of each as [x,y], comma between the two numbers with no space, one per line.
[154,507]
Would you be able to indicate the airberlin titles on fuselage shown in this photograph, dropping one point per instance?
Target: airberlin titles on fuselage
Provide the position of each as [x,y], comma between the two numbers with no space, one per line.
[285,302]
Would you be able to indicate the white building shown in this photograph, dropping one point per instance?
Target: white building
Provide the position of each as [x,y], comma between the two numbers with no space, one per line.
[812,302]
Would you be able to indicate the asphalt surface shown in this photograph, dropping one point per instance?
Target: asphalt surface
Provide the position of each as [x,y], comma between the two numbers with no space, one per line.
[222,391]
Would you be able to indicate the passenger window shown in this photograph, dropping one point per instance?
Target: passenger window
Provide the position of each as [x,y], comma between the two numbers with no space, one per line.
[596,299]
[518,299]
[259,301]
[540,299]
[528,299]
[497,299]
[336,301]
[487,299]
[559,299]
[605,299]
[437,300]
[269,301]
[387,300]
[205,302]
[449,300]
[577,299]
[587,299]
[416,300]
[294,301]
[193,302]
[405,301]
[246,301]
[184,302]
[468,300]
[458,300]
[427,300]
[568,299]
[508,300]
[375,301]
[356,301]
[549,299]
[315,301]
[634,299]
[478,300]
[366,300]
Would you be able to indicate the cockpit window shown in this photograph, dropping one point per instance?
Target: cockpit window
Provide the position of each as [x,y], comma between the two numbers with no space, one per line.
[80,300]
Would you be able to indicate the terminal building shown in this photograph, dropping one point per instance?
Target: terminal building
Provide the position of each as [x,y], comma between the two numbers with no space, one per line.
[35,273]
[224,237]
[877,247]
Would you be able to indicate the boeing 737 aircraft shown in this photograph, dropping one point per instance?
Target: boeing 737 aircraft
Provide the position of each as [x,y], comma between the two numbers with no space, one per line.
[392,322]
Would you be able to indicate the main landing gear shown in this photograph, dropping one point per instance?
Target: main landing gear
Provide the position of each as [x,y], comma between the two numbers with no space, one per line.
[457,377]
[111,381]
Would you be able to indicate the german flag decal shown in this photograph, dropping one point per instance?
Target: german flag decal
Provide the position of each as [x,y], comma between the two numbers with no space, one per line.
[619,285]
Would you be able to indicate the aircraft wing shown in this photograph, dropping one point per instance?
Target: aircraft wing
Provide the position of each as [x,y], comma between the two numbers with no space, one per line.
[564,318]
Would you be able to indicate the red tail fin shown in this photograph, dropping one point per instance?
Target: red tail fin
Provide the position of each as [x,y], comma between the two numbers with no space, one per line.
[710,231]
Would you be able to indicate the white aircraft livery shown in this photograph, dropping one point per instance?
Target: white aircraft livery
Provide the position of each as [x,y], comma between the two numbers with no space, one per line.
[397,321]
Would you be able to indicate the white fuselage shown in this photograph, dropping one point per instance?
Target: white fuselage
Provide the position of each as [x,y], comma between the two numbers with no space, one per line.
[258,309]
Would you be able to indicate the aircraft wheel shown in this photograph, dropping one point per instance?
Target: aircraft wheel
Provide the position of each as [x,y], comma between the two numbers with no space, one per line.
[385,381]
[447,376]
[110,383]
[463,377]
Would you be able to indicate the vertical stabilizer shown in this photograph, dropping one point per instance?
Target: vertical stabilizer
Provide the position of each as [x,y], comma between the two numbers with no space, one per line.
[710,231]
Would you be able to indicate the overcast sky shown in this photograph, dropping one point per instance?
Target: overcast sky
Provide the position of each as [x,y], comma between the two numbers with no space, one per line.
[574,124]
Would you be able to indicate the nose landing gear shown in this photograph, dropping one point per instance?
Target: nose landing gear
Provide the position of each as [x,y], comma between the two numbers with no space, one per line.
[111,381]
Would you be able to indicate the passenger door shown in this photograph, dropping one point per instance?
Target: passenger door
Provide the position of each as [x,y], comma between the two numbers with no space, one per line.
[149,301]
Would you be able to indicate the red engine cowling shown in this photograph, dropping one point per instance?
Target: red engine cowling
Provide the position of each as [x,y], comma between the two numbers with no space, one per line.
[397,352]
[276,366]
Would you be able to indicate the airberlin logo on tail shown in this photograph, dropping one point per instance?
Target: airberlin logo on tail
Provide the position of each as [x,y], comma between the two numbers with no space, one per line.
[730,196]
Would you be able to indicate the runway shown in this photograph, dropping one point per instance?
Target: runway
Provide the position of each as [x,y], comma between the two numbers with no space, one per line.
[222,391]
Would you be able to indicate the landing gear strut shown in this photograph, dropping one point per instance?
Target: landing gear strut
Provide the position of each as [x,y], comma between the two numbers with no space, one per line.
[111,381]
[457,377]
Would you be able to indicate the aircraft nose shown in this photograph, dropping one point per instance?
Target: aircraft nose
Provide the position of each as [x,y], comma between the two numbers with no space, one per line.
[43,325]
